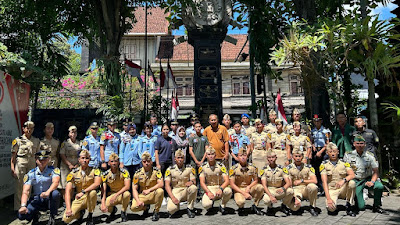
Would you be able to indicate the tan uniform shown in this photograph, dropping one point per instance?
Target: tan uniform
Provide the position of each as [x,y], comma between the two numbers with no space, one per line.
[300,142]
[214,178]
[145,182]
[275,180]
[278,142]
[54,148]
[244,176]
[305,129]
[71,151]
[259,153]
[302,191]
[270,128]
[179,178]
[249,130]
[25,150]
[336,173]
[116,182]
[82,179]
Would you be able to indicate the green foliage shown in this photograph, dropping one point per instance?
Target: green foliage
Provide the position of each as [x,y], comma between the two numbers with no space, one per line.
[113,108]
[392,112]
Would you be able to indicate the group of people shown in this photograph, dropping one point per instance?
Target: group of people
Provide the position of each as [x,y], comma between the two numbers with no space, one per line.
[269,162]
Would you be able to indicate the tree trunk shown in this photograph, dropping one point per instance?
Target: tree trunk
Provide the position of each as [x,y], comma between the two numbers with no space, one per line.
[373,109]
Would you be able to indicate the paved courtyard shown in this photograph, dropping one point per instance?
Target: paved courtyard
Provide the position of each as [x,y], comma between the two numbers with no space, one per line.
[391,204]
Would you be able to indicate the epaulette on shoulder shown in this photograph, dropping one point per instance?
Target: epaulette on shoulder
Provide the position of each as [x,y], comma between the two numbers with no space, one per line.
[204,163]
[265,167]
[32,170]
[122,170]
[74,170]
[155,168]
[105,172]
[289,166]
[220,164]
[235,166]
[189,166]
[308,165]
[280,167]
[370,153]
[325,161]
[50,167]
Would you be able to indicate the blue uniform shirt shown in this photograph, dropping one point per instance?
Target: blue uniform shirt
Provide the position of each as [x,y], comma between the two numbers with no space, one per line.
[237,141]
[125,137]
[156,131]
[92,144]
[41,181]
[111,141]
[128,152]
[320,136]
[147,144]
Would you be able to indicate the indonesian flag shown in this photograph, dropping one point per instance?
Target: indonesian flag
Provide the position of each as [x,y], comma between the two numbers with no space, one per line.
[152,75]
[162,77]
[175,108]
[134,70]
[171,77]
[279,108]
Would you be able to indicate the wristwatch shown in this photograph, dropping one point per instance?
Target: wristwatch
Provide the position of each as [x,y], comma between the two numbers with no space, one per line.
[83,191]
[302,180]
[345,180]
[23,205]
[221,189]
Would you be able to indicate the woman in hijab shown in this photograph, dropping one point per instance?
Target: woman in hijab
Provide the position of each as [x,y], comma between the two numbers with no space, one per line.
[183,142]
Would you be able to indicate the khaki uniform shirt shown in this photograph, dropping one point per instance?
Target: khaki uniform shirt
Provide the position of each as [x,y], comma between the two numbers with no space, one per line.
[179,177]
[25,148]
[335,173]
[115,181]
[249,130]
[213,174]
[278,140]
[305,129]
[301,142]
[259,140]
[82,179]
[270,128]
[243,175]
[361,165]
[146,181]
[305,171]
[54,145]
[71,150]
[275,177]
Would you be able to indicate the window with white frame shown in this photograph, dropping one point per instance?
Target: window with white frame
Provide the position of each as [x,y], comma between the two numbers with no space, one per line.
[185,86]
[240,85]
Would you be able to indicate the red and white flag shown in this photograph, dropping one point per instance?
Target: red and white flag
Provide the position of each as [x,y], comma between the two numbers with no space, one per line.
[134,70]
[171,77]
[162,77]
[175,108]
[279,108]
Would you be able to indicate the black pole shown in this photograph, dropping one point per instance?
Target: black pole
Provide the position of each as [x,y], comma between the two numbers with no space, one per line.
[251,55]
[265,98]
[160,92]
[167,91]
[145,61]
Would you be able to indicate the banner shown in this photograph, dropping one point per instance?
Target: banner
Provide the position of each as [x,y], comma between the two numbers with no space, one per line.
[14,106]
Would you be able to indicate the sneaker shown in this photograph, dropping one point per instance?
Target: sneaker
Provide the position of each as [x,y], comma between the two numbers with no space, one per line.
[164,201]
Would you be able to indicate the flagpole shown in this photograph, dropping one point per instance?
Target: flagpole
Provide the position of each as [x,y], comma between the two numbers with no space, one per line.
[159,84]
[167,90]
[145,62]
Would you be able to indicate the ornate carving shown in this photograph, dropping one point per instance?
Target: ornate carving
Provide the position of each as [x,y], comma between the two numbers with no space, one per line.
[216,13]
[208,91]
[207,72]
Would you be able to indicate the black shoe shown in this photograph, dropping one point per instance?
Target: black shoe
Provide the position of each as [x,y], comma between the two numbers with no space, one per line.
[51,221]
[285,210]
[190,213]
[112,215]
[270,212]
[241,212]
[80,219]
[155,217]
[334,213]
[378,209]
[222,210]
[313,212]
[89,219]
[35,219]
[146,211]
[256,210]
[349,211]
[124,218]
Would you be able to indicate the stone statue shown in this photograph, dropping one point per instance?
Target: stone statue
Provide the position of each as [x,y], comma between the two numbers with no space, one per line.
[212,13]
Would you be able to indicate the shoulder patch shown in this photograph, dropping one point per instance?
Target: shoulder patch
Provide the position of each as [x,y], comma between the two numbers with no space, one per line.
[269,135]
[62,145]
[96,172]
[288,136]
[56,171]
[125,173]
[14,142]
[135,180]
[223,169]
[321,167]
[194,171]
[308,139]
[347,164]
[167,172]
[26,177]
[312,170]
[104,177]
[69,177]
[285,170]
[103,137]
[231,172]
[159,175]
[261,172]
[85,143]
[200,169]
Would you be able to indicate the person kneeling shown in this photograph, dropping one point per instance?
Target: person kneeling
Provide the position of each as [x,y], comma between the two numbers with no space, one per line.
[276,183]
[118,182]
[337,181]
[43,180]
[147,181]
[304,180]
[244,181]
[86,181]
[180,184]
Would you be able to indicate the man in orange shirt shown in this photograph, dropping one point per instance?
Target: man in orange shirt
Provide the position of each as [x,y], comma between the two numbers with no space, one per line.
[218,138]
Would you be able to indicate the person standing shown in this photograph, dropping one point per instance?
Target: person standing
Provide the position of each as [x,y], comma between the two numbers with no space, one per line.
[180,184]
[237,141]
[191,130]
[22,151]
[280,146]
[259,146]
[214,181]
[226,121]
[41,185]
[147,188]
[125,137]
[85,181]
[182,143]
[69,151]
[341,134]
[174,129]
[53,143]
[147,142]
[300,142]
[218,138]
[109,143]
[271,126]
[129,152]
[156,128]
[197,146]
[115,189]
[366,171]
[244,182]
[247,128]
[371,139]
[92,144]
[337,180]
[296,117]
[165,148]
